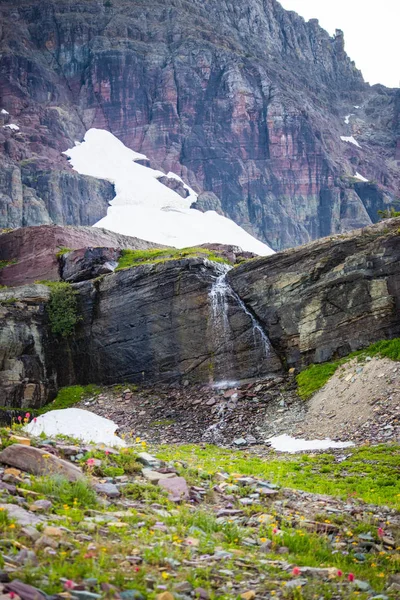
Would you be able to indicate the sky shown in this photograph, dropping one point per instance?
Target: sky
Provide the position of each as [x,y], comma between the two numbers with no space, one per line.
[371,32]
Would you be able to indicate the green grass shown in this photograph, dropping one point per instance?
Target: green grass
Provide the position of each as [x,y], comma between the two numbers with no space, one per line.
[69,396]
[61,491]
[63,250]
[7,263]
[315,377]
[369,473]
[134,258]
[62,308]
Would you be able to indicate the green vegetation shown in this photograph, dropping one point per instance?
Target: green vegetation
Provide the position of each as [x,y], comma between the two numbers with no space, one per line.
[62,308]
[63,250]
[11,300]
[134,258]
[369,473]
[389,213]
[7,263]
[69,396]
[315,377]
[60,491]
[147,544]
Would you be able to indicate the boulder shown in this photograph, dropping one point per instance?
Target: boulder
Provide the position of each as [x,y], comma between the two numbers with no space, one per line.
[176,487]
[39,462]
[88,263]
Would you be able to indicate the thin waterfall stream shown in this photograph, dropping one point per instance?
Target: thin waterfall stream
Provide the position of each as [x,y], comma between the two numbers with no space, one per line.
[220,294]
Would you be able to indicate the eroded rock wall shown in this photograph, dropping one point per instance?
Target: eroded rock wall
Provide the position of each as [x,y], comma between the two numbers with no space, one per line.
[246,101]
[328,298]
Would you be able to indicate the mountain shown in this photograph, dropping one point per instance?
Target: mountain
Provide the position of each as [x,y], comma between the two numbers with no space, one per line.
[263,115]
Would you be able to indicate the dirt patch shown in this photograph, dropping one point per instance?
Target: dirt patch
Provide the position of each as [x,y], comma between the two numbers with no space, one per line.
[360,402]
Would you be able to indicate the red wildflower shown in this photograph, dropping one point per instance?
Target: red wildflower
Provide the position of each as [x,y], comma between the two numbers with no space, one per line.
[340,573]
[296,571]
[381,533]
[90,462]
[27,415]
[69,584]
[20,418]
[350,577]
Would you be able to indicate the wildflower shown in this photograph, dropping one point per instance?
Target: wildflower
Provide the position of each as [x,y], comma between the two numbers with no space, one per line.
[164,575]
[275,530]
[20,418]
[138,440]
[34,419]
[263,540]
[12,595]
[339,573]
[107,452]
[381,533]
[296,571]
[27,415]
[69,585]
[90,462]
[350,577]
[12,526]
[65,507]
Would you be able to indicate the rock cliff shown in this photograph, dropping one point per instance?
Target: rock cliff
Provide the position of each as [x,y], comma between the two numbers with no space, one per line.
[328,298]
[259,110]
[199,320]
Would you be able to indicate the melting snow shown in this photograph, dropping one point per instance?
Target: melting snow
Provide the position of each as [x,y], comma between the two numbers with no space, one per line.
[350,139]
[4,112]
[347,118]
[285,443]
[360,177]
[143,207]
[356,107]
[12,126]
[77,423]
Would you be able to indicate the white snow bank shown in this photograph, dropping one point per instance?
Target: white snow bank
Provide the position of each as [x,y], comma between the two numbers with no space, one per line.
[75,422]
[285,443]
[347,118]
[143,207]
[12,126]
[350,140]
[4,112]
[360,177]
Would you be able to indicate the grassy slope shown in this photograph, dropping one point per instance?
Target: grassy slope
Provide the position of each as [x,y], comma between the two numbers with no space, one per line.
[315,377]
[134,258]
[168,555]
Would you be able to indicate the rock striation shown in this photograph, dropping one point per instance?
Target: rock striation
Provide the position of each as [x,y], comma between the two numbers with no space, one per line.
[255,108]
[201,321]
[328,298]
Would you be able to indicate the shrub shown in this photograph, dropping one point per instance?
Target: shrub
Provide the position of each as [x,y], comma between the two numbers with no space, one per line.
[62,309]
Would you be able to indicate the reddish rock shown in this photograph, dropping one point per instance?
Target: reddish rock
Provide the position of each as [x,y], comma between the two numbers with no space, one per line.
[34,250]
[176,487]
[39,462]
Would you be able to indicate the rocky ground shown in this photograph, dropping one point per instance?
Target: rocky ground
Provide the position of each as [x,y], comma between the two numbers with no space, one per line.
[88,522]
[360,403]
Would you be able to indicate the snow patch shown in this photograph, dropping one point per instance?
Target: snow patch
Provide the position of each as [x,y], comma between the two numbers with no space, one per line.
[357,107]
[77,423]
[347,118]
[360,177]
[286,443]
[350,139]
[143,207]
[12,126]
[4,112]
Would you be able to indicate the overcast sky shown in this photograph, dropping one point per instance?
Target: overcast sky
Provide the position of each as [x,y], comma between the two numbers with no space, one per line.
[371,32]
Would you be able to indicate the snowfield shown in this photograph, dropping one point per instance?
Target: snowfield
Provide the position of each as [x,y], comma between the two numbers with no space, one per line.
[350,139]
[145,208]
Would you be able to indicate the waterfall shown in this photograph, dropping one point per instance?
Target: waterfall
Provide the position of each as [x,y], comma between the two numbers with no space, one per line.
[219,296]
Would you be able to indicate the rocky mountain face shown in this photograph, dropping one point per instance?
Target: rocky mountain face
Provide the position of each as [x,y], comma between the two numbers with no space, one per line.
[195,319]
[246,101]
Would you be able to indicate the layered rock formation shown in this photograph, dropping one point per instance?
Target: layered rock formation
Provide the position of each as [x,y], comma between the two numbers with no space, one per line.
[196,320]
[328,298]
[33,254]
[245,101]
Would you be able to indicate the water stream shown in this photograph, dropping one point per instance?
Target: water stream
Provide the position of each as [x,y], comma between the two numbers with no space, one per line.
[221,296]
